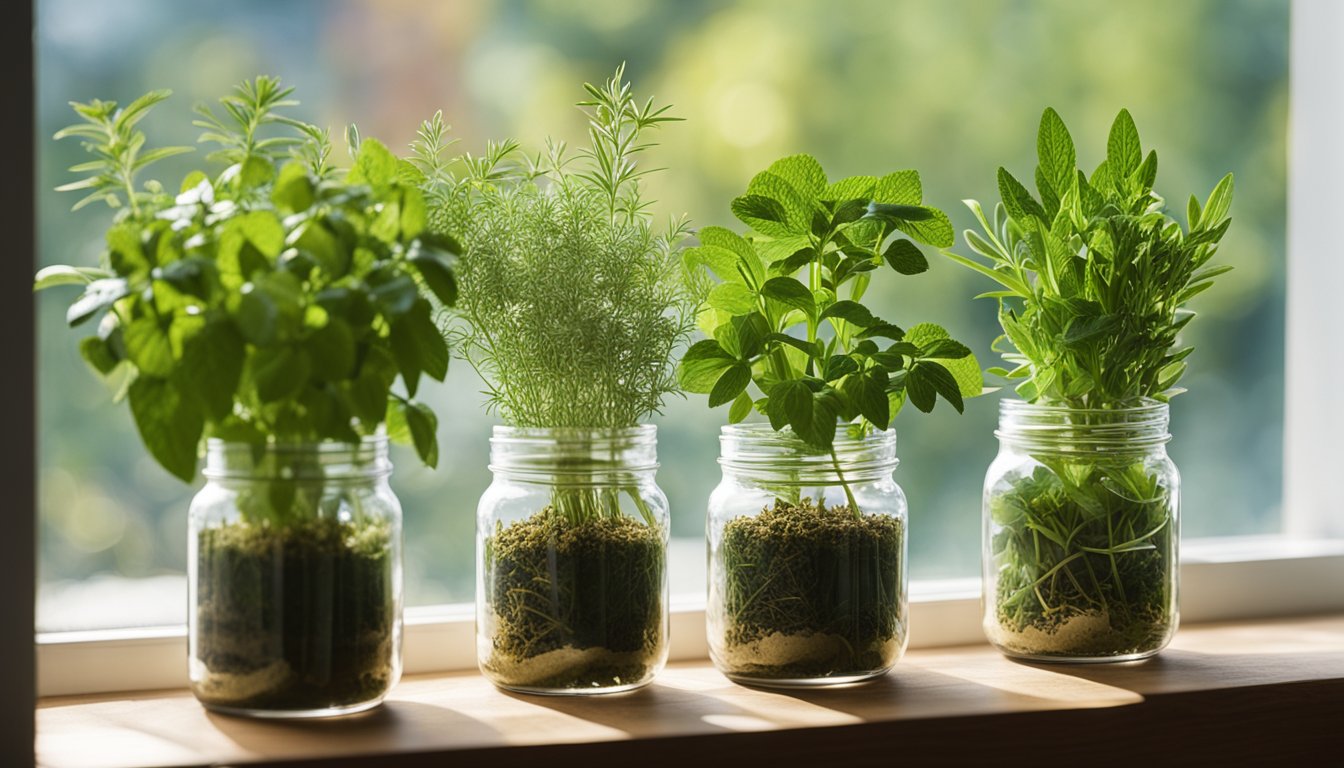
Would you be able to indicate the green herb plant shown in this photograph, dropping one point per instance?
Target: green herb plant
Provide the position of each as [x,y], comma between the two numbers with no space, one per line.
[572,306]
[809,590]
[1094,275]
[274,301]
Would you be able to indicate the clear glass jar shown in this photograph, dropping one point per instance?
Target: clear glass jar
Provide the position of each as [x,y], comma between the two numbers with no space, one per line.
[807,566]
[571,561]
[1081,529]
[294,570]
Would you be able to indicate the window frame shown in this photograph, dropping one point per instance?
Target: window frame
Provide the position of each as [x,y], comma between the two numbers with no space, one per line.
[1296,572]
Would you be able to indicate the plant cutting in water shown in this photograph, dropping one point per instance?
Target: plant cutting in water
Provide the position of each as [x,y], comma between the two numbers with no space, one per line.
[273,301]
[572,306]
[1093,274]
[786,321]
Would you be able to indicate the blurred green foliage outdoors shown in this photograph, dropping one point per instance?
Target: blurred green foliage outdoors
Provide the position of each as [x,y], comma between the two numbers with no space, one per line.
[953,88]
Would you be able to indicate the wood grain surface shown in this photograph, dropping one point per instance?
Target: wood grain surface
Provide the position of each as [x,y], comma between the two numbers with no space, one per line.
[1231,692]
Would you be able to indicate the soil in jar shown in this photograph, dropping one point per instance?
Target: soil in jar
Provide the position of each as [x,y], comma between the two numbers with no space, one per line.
[811,591]
[294,617]
[574,604]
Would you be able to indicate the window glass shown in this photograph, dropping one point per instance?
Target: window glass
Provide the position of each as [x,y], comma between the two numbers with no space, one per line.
[953,88]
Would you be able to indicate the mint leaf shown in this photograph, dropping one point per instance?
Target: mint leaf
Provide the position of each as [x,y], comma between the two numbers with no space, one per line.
[169,425]
[1054,149]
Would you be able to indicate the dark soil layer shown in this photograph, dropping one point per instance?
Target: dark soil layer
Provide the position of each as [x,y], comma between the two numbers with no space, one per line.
[294,617]
[811,592]
[1084,562]
[575,605]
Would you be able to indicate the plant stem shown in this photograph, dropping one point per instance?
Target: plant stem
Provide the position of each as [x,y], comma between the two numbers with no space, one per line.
[849,494]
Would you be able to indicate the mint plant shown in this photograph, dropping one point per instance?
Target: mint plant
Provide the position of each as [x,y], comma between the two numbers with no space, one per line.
[573,303]
[274,301]
[1093,276]
[803,590]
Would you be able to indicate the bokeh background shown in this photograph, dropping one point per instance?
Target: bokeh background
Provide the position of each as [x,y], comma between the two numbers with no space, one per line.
[953,88]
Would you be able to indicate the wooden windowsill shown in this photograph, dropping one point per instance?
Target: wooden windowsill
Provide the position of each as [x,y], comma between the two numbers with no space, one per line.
[1230,691]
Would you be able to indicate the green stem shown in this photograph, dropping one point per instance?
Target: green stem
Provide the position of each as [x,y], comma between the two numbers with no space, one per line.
[849,494]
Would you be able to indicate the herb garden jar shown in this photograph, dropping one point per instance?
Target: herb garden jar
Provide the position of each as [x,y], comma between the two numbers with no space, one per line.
[295,579]
[1081,529]
[571,550]
[807,573]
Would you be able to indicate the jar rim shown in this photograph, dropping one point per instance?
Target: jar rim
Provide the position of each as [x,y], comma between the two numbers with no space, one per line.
[334,459]
[1060,428]
[573,451]
[1141,406]
[757,448]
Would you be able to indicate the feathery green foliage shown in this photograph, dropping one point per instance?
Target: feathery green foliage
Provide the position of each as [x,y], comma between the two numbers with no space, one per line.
[1095,273]
[572,303]
[276,300]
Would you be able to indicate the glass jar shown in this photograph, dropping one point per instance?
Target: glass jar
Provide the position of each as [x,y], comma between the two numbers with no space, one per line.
[1081,528]
[807,567]
[294,570]
[571,554]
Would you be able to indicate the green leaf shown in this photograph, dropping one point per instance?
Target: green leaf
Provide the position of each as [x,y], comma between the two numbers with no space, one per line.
[702,365]
[413,213]
[870,398]
[148,347]
[314,239]
[1054,149]
[1019,202]
[792,400]
[965,370]
[905,257]
[279,372]
[1218,205]
[211,368]
[293,190]
[899,188]
[740,409]
[169,424]
[736,255]
[99,354]
[791,293]
[436,268]
[50,277]
[732,382]
[254,172]
[263,230]
[802,172]
[851,312]
[762,214]
[374,165]
[852,188]
[413,423]
[331,349]
[256,315]
[393,291]
[733,298]
[1123,150]
[418,346]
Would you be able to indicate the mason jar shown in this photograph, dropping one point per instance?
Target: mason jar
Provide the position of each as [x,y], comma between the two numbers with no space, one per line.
[571,560]
[807,558]
[1081,529]
[294,579]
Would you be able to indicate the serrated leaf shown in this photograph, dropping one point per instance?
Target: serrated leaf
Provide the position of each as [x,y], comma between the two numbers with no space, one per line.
[763,214]
[374,165]
[852,188]
[790,293]
[899,188]
[851,312]
[966,370]
[733,298]
[701,366]
[802,172]
[746,260]
[905,257]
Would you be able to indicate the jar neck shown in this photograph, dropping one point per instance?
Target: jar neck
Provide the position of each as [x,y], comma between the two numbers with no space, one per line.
[759,452]
[572,453]
[1060,429]
[365,460]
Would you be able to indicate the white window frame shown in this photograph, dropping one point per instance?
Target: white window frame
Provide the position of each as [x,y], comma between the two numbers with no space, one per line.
[1299,571]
